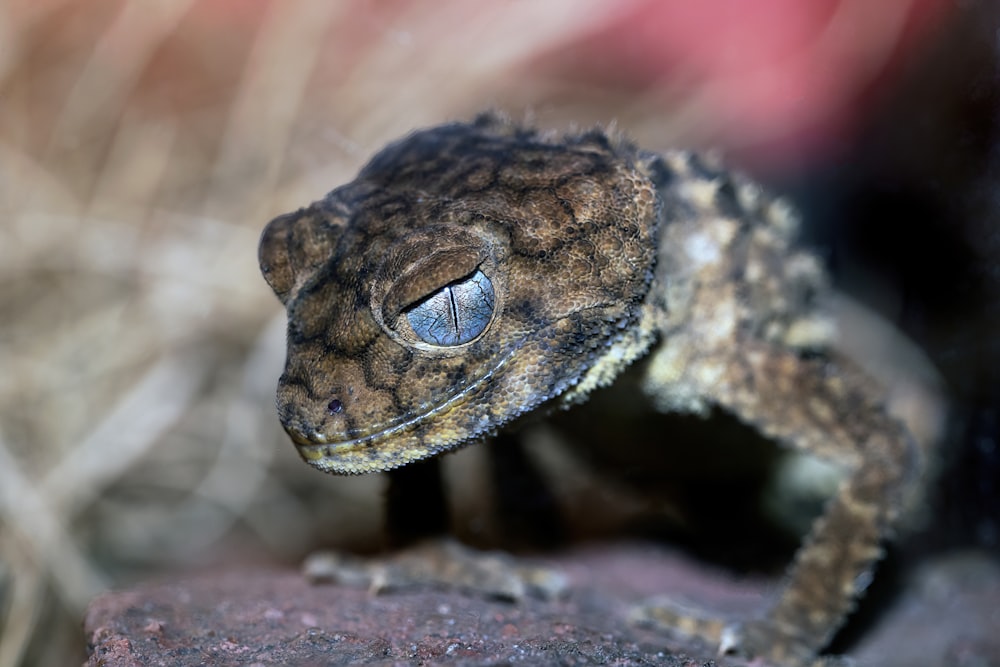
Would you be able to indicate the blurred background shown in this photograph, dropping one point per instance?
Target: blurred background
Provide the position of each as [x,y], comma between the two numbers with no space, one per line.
[144,145]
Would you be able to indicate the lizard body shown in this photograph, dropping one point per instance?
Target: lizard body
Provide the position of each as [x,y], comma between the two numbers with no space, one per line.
[477,272]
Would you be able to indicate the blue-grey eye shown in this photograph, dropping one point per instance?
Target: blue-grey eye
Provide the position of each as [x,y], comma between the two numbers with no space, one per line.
[456,313]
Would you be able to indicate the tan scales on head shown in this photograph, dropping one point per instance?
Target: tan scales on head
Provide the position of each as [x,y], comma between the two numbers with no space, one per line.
[474,272]
[564,232]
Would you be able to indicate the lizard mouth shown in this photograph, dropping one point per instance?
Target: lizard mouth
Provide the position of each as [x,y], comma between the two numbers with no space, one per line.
[410,439]
[463,418]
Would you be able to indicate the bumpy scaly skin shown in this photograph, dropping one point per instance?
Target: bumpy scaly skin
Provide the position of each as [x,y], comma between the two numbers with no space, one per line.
[566,232]
[597,252]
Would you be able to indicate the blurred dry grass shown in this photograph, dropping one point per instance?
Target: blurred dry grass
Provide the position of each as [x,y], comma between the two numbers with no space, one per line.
[142,148]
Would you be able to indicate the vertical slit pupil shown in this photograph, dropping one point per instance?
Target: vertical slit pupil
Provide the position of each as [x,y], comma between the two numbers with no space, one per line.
[456,313]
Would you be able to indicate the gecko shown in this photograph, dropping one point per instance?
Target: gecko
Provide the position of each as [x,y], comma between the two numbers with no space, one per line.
[478,272]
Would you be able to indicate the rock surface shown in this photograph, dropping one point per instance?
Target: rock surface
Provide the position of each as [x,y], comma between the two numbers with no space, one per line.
[947,614]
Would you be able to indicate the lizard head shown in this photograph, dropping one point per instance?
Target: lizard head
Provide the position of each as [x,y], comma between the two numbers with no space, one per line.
[470,274]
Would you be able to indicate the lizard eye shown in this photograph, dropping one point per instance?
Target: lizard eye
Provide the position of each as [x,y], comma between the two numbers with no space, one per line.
[454,314]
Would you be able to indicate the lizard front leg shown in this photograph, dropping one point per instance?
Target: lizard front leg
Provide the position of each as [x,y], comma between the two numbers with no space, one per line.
[824,406]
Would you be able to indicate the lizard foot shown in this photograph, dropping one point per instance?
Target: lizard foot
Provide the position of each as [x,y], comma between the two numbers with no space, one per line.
[676,618]
[761,638]
[439,564]
[757,642]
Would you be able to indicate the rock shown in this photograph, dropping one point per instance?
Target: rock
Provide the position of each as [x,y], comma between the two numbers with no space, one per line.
[947,613]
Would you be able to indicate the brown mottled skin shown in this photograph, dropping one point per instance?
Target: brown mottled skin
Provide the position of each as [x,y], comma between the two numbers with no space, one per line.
[598,254]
